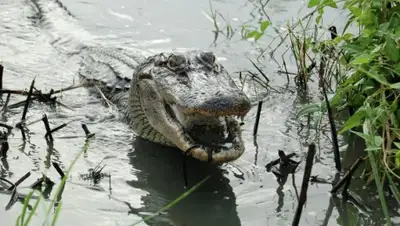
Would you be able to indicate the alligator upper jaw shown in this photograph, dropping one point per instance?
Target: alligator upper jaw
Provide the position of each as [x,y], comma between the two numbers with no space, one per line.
[217,133]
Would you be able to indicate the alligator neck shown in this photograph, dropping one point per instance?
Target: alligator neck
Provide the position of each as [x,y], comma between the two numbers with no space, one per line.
[138,120]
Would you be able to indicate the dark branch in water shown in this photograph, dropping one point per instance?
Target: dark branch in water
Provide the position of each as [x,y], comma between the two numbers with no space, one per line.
[19,126]
[39,96]
[286,166]
[4,149]
[28,100]
[259,70]
[277,161]
[47,126]
[184,169]
[6,102]
[46,98]
[19,104]
[347,176]
[38,184]
[56,129]
[7,181]
[95,173]
[109,184]
[316,179]
[13,199]
[8,127]
[286,72]
[59,170]
[85,129]
[18,182]
[335,142]
[38,93]
[1,76]
[87,132]
[47,188]
[185,155]
[59,195]
[304,186]
[257,118]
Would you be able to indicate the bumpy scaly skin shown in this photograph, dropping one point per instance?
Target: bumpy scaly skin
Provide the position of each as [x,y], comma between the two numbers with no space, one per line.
[185,100]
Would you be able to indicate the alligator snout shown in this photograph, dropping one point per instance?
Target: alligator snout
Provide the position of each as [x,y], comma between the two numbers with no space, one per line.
[221,105]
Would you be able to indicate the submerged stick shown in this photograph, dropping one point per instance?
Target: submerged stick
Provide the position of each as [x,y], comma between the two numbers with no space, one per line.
[3,150]
[276,161]
[56,129]
[257,118]
[6,103]
[59,170]
[85,129]
[28,101]
[38,183]
[39,93]
[19,181]
[5,126]
[21,128]
[286,72]
[304,186]
[47,126]
[347,176]
[335,142]
[184,168]
[1,76]
[87,132]
[259,70]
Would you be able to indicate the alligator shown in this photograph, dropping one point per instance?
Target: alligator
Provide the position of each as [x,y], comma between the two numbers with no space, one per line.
[184,100]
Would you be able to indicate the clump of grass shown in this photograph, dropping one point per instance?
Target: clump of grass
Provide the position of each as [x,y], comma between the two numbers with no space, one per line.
[368,84]
[24,219]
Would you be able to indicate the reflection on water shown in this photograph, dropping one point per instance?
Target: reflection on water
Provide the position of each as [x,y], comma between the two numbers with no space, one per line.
[160,173]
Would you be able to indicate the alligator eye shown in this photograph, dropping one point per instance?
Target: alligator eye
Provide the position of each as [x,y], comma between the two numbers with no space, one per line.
[160,59]
[175,61]
[208,57]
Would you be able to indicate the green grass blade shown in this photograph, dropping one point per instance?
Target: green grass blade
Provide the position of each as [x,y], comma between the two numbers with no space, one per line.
[56,214]
[393,186]
[184,195]
[375,171]
[62,184]
[33,211]
[26,203]
[18,220]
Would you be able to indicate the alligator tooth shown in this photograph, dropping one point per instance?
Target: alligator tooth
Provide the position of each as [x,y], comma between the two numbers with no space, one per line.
[227,132]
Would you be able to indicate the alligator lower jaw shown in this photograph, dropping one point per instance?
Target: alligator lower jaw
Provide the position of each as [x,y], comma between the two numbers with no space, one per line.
[219,134]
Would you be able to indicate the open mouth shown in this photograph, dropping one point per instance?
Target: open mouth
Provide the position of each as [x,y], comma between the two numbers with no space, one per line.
[217,134]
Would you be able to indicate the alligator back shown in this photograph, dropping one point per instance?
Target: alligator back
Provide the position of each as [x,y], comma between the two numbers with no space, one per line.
[108,73]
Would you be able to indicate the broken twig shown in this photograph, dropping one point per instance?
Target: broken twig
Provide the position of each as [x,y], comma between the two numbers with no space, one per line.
[304,186]
[347,176]
[257,118]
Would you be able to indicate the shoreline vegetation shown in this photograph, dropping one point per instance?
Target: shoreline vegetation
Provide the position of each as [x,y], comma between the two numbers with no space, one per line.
[360,71]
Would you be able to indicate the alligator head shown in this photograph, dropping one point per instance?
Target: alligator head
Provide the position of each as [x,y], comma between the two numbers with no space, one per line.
[189,101]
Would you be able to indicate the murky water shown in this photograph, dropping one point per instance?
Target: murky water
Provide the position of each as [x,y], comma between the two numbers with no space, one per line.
[46,38]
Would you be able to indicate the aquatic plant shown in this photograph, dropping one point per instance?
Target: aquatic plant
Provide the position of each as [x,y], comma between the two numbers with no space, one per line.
[362,68]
